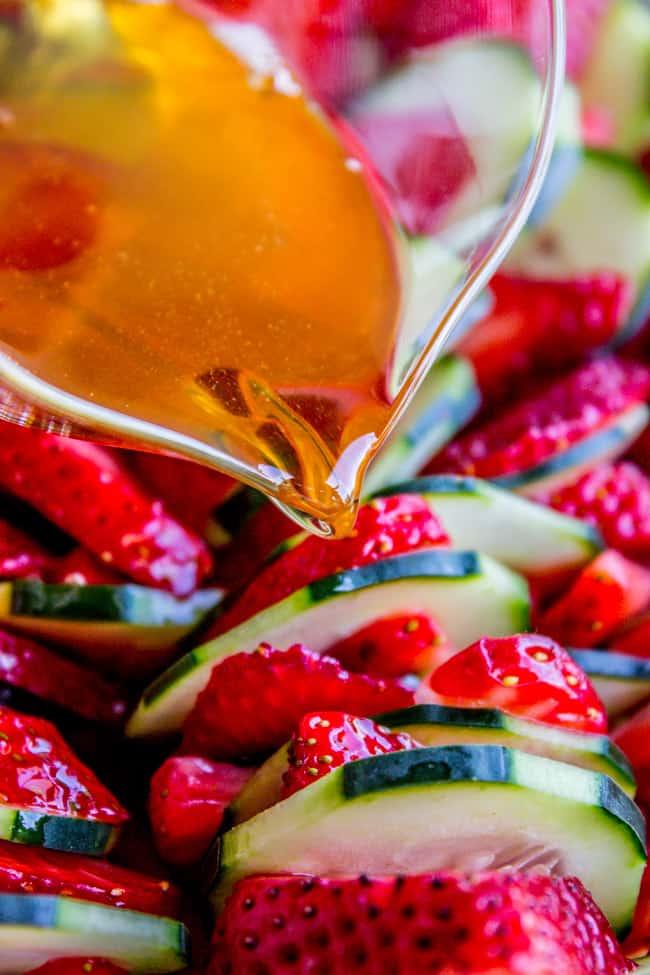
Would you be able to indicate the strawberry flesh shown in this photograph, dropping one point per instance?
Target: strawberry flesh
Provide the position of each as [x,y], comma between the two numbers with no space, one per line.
[254,701]
[327,740]
[634,637]
[616,499]
[393,646]
[564,413]
[33,870]
[187,802]
[38,670]
[384,527]
[608,591]
[41,774]
[81,568]
[85,491]
[527,675]
[445,923]
[20,555]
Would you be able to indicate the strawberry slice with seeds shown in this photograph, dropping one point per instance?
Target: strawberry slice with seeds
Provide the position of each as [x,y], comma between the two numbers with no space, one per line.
[606,593]
[20,555]
[527,675]
[187,802]
[564,413]
[38,670]
[327,740]
[81,568]
[31,870]
[253,701]
[393,646]
[40,775]
[78,966]
[88,493]
[384,527]
[616,499]
[484,924]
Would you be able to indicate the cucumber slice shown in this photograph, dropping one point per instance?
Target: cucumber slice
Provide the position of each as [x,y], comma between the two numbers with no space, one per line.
[470,807]
[526,536]
[435,725]
[467,593]
[567,153]
[35,929]
[601,223]
[618,73]
[621,681]
[67,833]
[99,621]
[604,445]
[444,403]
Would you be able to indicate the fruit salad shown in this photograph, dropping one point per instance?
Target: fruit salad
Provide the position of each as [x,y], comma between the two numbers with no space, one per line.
[229,748]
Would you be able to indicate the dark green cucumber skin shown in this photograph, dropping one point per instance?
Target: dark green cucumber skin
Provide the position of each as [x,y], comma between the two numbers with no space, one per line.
[484,718]
[611,663]
[65,833]
[442,564]
[592,447]
[457,763]
[103,603]
[458,409]
[433,484]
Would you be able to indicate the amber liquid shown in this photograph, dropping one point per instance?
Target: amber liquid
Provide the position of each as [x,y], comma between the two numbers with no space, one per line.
[186,240]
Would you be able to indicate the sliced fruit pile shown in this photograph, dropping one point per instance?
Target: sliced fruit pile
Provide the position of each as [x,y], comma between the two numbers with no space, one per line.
[422,748]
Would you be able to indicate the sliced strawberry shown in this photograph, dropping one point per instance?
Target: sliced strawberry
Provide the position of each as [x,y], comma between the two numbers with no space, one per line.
[38,670]
[78,966]
[85,491]
[565,412]
[33,870]
[187,802]
[598,127]
[254,701]
[49,207]
[615,498]
[40,773]
[190,491]
[605,594]
[634,637]
[633,737]
[637,943]
[20,555]
[82,568]
[384,527]
[527,675]
[446,923]
[327,740]
[393,646]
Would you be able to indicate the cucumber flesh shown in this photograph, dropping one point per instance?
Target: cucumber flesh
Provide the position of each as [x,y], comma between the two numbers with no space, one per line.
[621,681]
[469,808]
[604,445]
[601,223]
[444,403]
[35,929]
[617,77]
[528,537]
[467,593]
[567,153]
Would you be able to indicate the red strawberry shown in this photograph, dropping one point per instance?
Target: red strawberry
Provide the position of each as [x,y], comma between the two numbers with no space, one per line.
[393,646]
[38,670]
[78,966]
[20,555]
[255,536]
[254,701]
[33,870]
[598,127]
[40,773]
[187,802]
[329,739]
[615,498]
[637,943]
[84,490]
[568,410]
[605,594]
[82,568]
[49,206]
[526,675]
[634,637]
[190,491]
[384,527]
[446,923]
[633,737]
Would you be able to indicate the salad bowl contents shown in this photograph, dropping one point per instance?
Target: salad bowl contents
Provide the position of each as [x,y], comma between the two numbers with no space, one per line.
[231,748]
